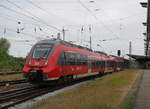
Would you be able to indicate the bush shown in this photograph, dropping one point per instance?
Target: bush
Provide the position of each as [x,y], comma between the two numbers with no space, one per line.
[7,62]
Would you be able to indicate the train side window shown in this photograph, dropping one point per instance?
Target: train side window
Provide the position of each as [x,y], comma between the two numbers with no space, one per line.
[78,59]
[92,62]
[100,64]
[67,58]
[84,59]
[109,64]
[103,64]
[95,64]
[61,60]
[70,58]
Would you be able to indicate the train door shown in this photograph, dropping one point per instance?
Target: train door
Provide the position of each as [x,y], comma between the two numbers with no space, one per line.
[62,62]
[67,59]
[105,65]
[89,64]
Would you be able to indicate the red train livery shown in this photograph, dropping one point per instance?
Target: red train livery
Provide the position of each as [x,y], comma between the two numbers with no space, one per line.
[57,59]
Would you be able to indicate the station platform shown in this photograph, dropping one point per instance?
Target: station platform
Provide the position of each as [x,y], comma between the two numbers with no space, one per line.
[143,94]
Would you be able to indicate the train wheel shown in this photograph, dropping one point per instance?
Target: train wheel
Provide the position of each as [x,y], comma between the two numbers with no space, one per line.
[64,80]
[61,81]
[69,79]
[110,72]
[100,73]
[103,73]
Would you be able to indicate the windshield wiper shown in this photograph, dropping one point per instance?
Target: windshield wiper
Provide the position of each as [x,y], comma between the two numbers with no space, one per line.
[44,55]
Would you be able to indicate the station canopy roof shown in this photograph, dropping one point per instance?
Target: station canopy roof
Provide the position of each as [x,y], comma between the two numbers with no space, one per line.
[140,57]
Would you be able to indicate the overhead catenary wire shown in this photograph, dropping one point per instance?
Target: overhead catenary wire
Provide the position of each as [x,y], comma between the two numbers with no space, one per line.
[35,18]
[16,12]
[108,29]
[118,19]
[37,6]
[13,20]
[20,18]
[44,10]
[39,19]
[128,17]
[27,34]
[19,12]
[5,7]
[79,1]
[109,39]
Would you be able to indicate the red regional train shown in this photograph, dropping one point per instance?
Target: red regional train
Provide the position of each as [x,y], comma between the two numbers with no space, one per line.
[60,60]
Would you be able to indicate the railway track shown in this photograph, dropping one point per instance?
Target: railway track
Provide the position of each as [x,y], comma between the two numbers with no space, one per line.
[16,96]
[3,83]
[19,95]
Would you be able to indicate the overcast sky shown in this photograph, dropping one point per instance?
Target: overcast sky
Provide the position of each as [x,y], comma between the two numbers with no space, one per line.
[116,21]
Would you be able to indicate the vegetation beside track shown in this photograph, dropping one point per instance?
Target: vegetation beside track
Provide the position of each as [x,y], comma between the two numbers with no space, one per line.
[129,102]
[7,62]
[11,77]
[106,92]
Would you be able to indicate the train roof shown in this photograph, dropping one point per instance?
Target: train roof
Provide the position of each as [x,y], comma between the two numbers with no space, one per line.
[100,52]
[121,58]
[57,41]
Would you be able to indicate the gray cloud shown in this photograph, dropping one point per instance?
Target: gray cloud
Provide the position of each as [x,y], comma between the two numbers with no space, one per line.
[115,18]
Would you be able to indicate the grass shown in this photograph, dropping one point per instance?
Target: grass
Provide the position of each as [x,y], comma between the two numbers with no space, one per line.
[130,102]
[105,93]
[11,77]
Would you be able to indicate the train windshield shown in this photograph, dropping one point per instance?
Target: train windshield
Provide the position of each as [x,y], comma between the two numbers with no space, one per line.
[41,51]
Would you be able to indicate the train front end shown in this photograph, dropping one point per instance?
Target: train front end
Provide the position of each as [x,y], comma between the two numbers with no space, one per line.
[35,68]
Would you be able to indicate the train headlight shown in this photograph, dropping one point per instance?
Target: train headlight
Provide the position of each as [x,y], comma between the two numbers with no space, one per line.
[46,63]
[29,62]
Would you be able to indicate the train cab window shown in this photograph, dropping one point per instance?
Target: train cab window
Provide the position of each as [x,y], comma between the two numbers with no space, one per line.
[41,51]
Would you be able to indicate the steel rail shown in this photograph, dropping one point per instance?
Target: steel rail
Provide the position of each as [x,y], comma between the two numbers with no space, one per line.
[3,83]
[11,73]
[14,98]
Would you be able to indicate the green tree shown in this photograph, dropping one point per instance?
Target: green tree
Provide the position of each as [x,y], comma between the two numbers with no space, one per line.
[7,62]
[4,44]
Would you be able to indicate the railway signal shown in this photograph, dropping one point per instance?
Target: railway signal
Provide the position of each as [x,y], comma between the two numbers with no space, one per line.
[119,53]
